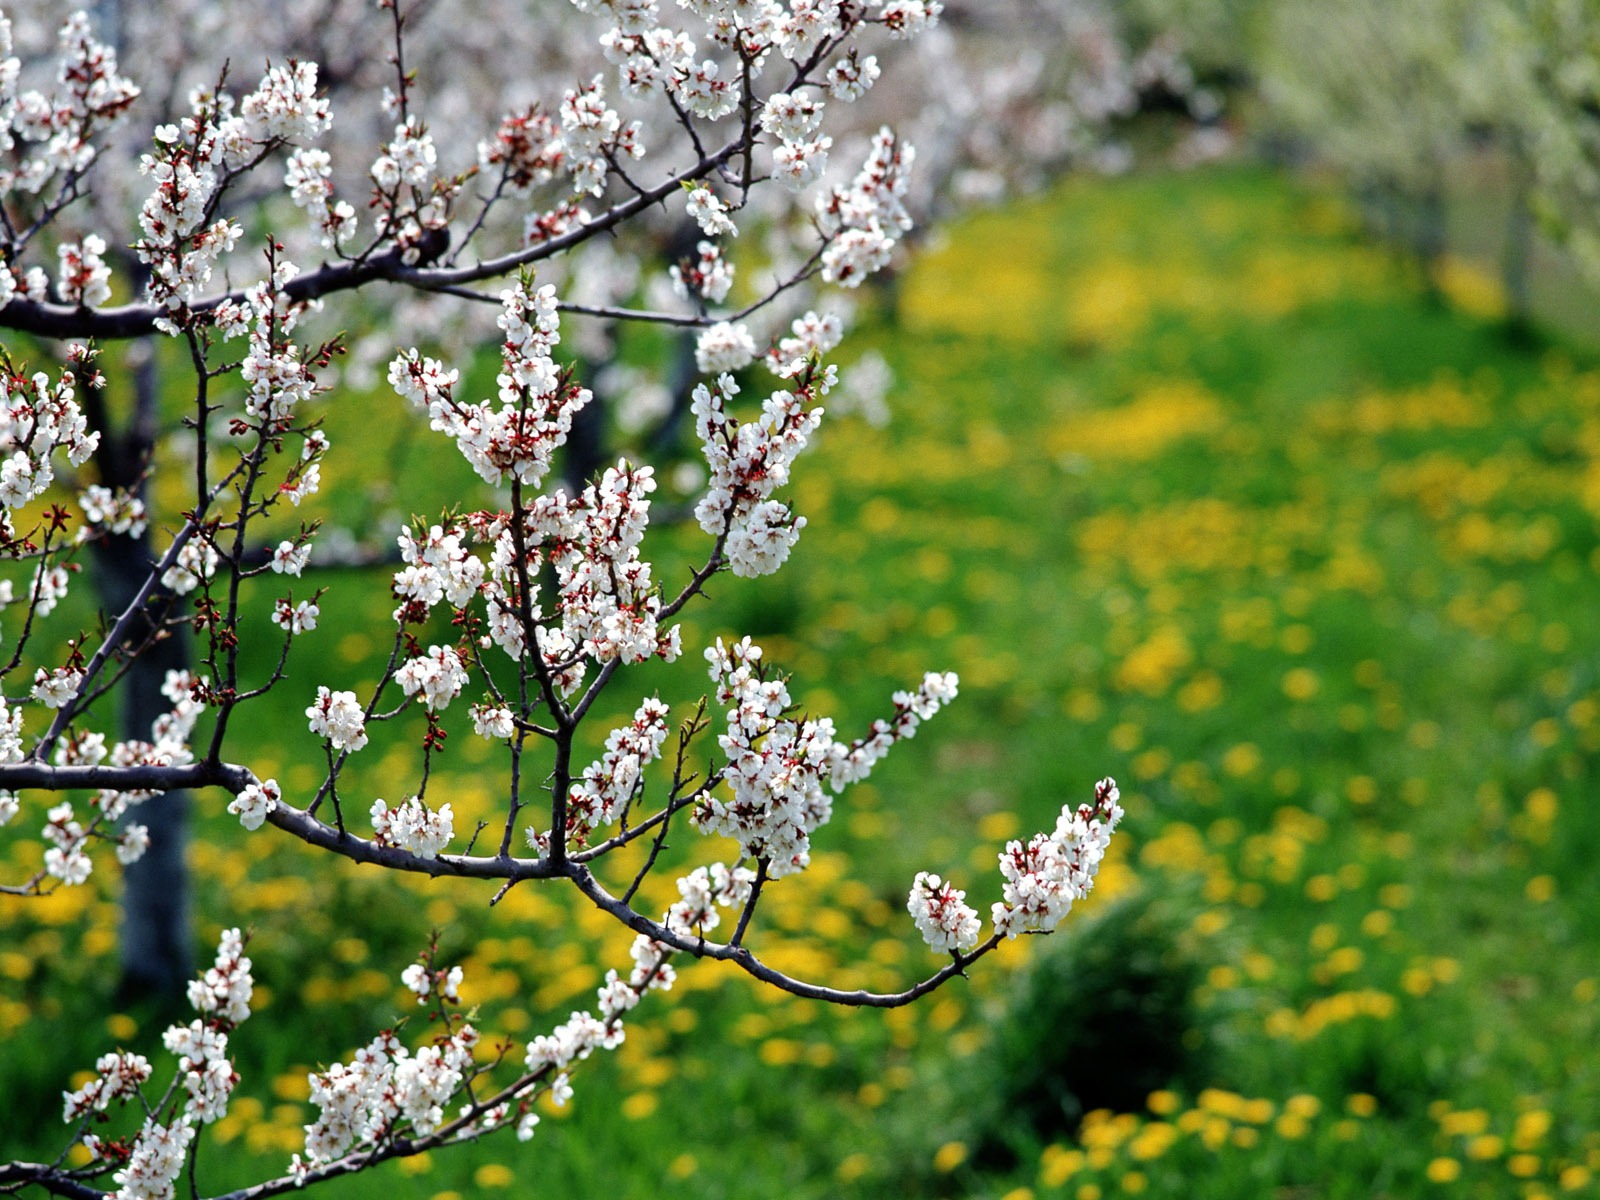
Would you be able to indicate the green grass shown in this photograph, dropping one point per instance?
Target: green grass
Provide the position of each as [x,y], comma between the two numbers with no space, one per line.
[1193,488]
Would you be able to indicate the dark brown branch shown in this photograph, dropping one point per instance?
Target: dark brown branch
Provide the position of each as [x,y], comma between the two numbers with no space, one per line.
[144,777]
[751,965]
[42,1175]
[135,320]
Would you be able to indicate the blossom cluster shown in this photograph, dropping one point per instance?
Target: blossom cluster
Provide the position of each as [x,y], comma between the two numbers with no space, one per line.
[384,1088]
[812,335]
[195,563]
[526,149]
[274,367]
[308,176]
[942,914]
[117,1076]
[423,981]
[208,1075]
[113,511]
[593,135]
[777,766]
[702,892]
[37,419]
[150,1166]
[295,618]
[156,1159]
[223,992]
[609,785]
[256,803]
[800,155]
[708,276]
[413,826]
[1043,877]
[749,461]
[182,239]
[1047,873]
[710,213]
[89,96]
[67,859]
[606,602]
[439,566]
[49,587]
[339,717]
[609,603]
[866,219]
[85,278]
[412,201]
[517,438]
[437,676]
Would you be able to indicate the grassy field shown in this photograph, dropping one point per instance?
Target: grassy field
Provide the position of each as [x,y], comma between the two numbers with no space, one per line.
[1194,488]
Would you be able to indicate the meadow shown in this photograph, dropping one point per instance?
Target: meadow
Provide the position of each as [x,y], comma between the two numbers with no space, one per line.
[1193,486]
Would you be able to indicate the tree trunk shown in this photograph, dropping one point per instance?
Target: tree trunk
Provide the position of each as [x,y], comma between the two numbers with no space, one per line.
[157,952]
[1428,235]
[1515,262]
[157,959]
[584,455]
[666,440]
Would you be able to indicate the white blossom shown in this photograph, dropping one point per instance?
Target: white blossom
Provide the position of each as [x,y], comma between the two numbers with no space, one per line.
[296,618]
[224,991]
[413,826]
[285,106]
[117,1077]
[724,347]
[438,676]
[57,688]
[945,920]
[84,276]
[256,803]
[850,77]
[156,1159]
[196,562]
[338,716]
[1045,875]
[710,213]
[290,558]
[608,786]
[132,842]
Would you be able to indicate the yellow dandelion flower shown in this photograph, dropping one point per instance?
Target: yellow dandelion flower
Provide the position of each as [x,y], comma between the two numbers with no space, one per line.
[852,1167]
[1360,1104]
[949,1156]
[1574,1177]
[1444,1170]
[1523,1166]
[1485,1146]
[640,1105]
[1057,1164]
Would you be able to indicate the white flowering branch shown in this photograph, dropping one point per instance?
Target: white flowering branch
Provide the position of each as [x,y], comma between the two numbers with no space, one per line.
[530,613]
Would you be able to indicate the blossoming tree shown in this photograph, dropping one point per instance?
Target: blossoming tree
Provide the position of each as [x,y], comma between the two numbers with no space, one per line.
[1377,90]
[512,620]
